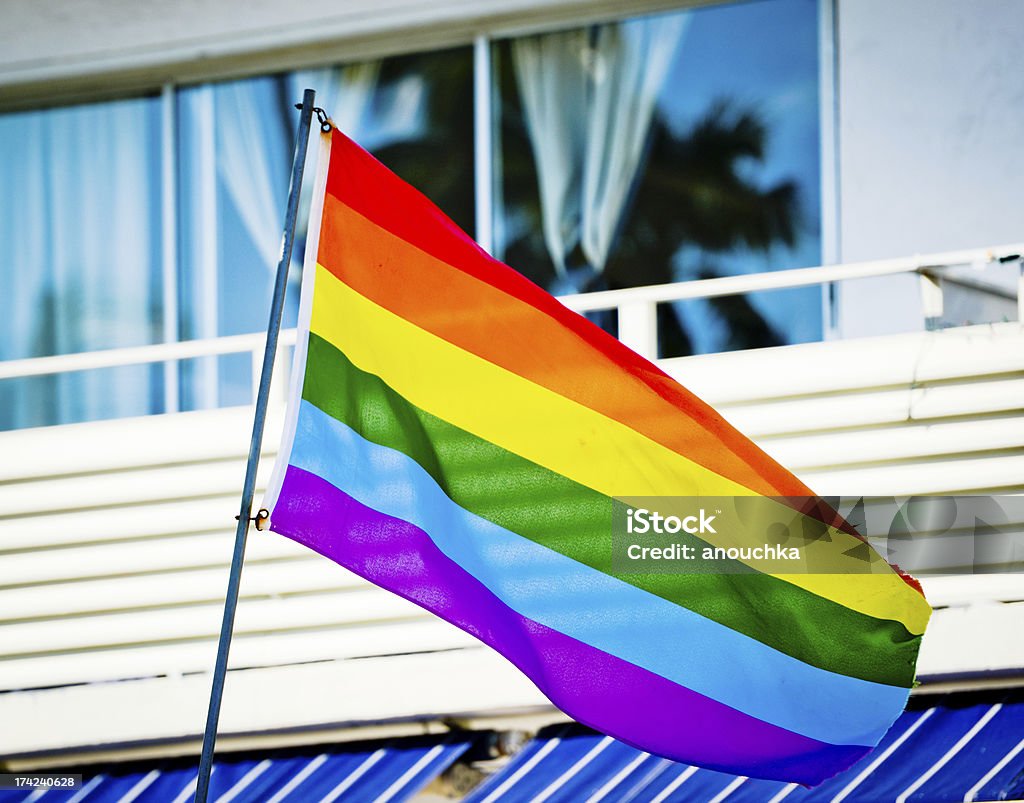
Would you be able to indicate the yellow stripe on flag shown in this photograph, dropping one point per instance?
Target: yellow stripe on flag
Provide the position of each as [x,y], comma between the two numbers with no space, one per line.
[560,434]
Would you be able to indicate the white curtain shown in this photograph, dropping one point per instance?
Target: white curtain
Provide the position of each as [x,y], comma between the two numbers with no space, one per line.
[253,154]
[79,255]
[553,85]
[25,326]
[588,102]
[252,157]
[346,94]
[199,233]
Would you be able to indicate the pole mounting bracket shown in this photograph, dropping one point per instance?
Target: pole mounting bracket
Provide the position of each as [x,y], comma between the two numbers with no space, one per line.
[321,116]
[260,519]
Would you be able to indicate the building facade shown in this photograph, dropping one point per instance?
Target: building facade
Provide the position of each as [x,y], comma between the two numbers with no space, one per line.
[704,150]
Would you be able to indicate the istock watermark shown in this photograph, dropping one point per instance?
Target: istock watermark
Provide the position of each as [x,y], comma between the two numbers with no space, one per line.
[641,520]
[818,535]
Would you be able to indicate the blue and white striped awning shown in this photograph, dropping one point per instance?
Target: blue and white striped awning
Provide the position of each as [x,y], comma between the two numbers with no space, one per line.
[391,771]
[961,749]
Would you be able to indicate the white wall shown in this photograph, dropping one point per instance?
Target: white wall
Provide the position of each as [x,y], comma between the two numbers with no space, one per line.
[931,111]
[65,50]
[116,538]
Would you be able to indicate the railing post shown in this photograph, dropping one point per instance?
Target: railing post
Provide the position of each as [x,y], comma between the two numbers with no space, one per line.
[638,327]
[483,141]
[256,363]
[1020,292]
[284,373]
[169,243]
[931,299]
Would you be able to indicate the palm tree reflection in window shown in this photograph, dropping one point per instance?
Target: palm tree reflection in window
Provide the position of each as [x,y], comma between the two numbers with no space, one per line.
[696,199]
[436,155]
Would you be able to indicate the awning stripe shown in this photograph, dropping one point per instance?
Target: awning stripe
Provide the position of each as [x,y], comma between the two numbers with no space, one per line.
[616,780]
[650,777]
[732,787]
[538,756]
[949,754]
[349,780]
[190,788]
[574,770]
[972,793]
[396,788]
[141,786]
[298,778]
[682,778]
[882,757]
[785,792]
[998,738]
[246,779]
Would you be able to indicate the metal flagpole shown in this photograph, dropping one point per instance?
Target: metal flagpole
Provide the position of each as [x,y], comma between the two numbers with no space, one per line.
[248,488]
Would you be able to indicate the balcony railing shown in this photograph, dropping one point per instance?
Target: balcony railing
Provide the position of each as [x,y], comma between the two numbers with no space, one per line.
[636,309]
[637,306]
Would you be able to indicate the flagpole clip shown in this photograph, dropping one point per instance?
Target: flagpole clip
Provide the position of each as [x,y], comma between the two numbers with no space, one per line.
[321,116]
[260,519]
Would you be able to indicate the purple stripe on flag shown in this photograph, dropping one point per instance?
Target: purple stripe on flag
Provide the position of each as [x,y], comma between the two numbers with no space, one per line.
[632,704]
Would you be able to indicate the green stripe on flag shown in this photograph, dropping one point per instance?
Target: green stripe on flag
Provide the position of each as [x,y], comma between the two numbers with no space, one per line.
[575,521]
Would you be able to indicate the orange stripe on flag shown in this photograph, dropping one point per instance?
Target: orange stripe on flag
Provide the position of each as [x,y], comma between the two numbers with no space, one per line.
[517,336]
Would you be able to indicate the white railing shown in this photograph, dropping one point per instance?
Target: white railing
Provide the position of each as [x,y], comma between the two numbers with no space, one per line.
[636,308]
[168,353]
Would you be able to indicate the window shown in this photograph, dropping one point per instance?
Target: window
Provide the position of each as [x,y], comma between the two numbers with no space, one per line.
[645,150]
[664,148]
[159,218]
[80,249]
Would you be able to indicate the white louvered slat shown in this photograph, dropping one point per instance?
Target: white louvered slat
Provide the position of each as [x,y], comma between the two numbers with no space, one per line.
[128,522]
[962,590]
[181,482]
[294,576]
[973,640]
[278,649]
[1002,473]
[115,536]
[887,444]
[877,407]
[362,606]
[296,697]
[788,372]
[135,442]
[154,555]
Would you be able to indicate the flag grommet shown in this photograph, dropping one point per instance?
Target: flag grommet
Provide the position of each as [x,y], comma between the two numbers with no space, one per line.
[260,519]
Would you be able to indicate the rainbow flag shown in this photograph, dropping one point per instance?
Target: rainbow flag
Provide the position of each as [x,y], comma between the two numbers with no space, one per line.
[456,436]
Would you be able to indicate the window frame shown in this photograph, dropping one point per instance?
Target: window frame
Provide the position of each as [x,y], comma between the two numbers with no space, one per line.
[484,110]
